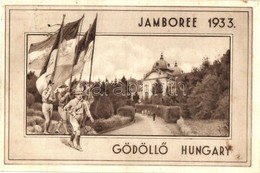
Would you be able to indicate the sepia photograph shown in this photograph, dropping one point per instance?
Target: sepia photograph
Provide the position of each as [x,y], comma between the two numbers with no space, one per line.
[173,85]
[128,86]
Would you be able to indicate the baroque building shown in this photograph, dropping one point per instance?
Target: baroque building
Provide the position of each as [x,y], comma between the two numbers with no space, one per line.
[165,73]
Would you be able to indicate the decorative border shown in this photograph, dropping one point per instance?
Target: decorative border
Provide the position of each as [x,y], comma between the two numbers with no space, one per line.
[56,161]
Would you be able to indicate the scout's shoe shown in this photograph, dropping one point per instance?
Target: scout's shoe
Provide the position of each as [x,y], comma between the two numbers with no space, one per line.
[57,131]
[70,144]
[78,147]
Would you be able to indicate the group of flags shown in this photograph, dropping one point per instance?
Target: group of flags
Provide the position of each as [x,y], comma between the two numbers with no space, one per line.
[62,55]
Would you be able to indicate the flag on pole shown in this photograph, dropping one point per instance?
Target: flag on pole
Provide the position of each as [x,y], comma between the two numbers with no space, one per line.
[84,42]
[64,52]
[85,51]
[39,52]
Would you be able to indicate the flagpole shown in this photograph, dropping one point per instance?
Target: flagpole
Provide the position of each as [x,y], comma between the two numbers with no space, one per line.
[92,53]
[84,54]
[57,55]
[76,51]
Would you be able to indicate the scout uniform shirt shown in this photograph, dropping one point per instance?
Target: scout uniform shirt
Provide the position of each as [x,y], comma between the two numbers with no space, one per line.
[77,108]
[46,95]
[62,97]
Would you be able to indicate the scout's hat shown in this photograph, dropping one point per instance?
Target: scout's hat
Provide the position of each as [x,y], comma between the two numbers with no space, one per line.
[63,86]
[78,90]
[50,82]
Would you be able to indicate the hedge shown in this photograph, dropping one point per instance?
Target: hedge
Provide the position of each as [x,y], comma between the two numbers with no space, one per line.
[104,107]
[100,125]
[126,111]
[170,114]
[29,99]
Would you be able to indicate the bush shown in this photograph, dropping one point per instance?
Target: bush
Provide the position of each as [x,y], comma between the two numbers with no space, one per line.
[39,113]
[29,99]
[38,129]
[36,106]
[29,112]
[119,101]
[168,113]
[126,111]
[30,129]
[104,108]
[34,120]
[87,130]
[157,100]
[186,130]
[222,111]
[93,107]
[112,122]
[172,114]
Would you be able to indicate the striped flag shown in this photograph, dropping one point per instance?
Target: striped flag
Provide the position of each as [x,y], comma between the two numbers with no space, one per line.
[85,51]
[39,52]
[84,43]
[58,70]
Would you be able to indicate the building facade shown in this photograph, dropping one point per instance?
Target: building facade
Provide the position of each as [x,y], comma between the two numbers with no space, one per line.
[165,73]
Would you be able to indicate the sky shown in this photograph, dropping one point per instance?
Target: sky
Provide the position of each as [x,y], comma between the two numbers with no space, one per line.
[134,56]
[123,49]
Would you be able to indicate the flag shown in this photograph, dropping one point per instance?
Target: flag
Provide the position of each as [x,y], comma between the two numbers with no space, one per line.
[70,31]
[85,51]
[39,52]
[58,70]
[85,41]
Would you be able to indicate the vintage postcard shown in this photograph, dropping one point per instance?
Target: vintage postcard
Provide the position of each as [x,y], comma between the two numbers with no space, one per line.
[128,85]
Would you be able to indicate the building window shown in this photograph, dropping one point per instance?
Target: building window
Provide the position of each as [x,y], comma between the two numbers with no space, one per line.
[146,88]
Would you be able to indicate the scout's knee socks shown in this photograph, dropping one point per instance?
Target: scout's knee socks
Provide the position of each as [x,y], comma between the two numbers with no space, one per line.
[64,122]
[72,137]
[77,138]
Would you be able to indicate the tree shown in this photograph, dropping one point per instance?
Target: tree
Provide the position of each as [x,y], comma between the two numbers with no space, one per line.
[204,97]
[104,107]
[157,87]
[136,97]
[31,86]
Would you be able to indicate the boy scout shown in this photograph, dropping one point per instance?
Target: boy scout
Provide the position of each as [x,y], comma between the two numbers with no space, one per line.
[77,107]
[62,98]
[48,98]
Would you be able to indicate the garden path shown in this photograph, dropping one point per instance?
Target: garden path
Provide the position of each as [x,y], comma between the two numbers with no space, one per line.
[144,125]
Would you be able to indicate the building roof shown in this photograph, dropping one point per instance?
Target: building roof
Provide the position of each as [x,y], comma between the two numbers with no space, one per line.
[176,70]
[163,66]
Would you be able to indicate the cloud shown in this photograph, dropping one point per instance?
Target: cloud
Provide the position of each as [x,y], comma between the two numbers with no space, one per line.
[134,56]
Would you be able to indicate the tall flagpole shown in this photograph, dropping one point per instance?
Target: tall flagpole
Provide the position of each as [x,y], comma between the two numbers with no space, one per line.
[58,50]
[76,51]
[84,54]
[92,53]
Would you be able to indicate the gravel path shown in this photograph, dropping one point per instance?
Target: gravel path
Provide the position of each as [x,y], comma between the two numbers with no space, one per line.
[145,125]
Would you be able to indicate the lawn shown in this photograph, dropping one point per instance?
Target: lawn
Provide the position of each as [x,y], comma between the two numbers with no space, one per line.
[207,127]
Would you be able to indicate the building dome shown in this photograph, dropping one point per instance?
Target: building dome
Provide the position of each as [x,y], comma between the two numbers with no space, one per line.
[161,64]
[176,70]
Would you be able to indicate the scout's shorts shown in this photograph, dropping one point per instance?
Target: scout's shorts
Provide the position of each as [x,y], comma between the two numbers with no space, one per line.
[75,121]
[63,114]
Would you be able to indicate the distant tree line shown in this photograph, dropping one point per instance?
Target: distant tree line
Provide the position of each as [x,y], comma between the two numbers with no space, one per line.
[203,93]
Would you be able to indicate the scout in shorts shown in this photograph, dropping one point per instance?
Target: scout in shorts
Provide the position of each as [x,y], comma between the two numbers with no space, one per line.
[48,98]
[62,98]
[77,107]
